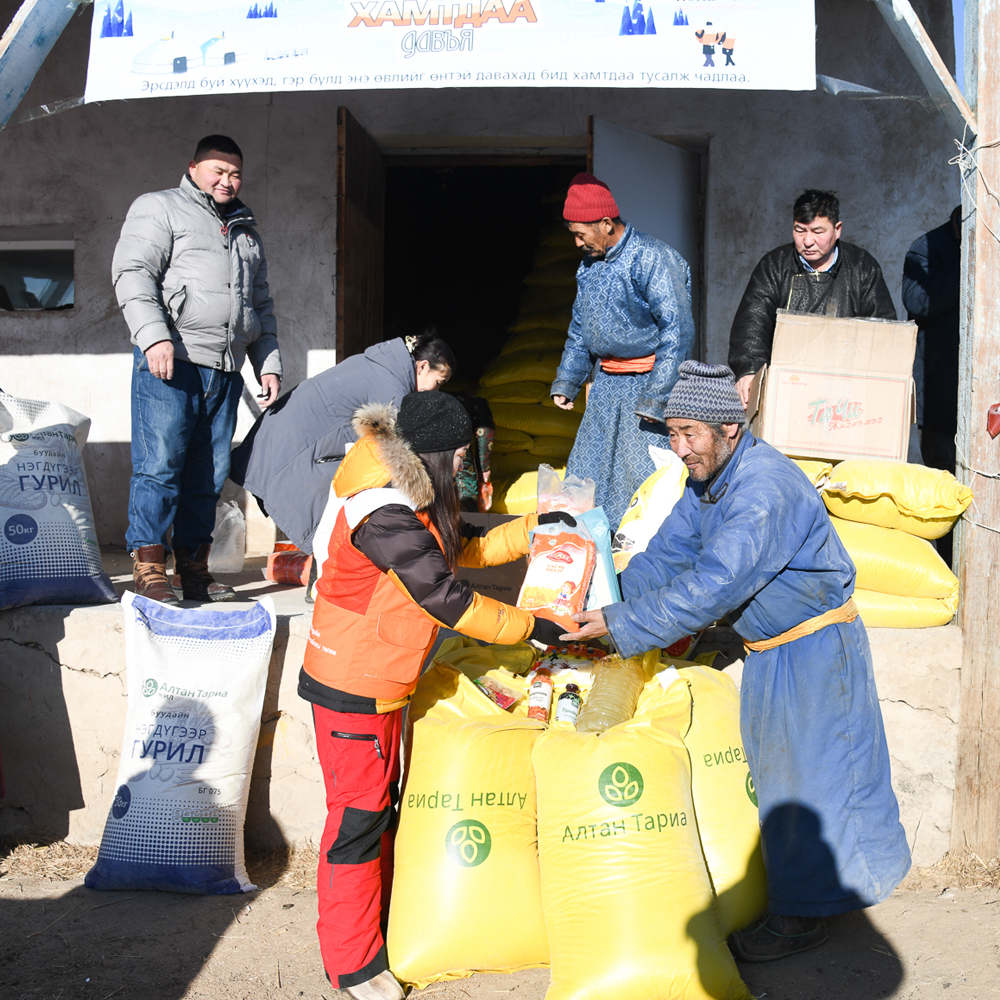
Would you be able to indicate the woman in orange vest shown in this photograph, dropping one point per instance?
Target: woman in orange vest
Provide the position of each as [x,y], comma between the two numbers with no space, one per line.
[388,583]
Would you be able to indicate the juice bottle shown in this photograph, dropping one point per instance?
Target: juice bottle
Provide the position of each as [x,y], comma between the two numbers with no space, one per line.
[568,705]
[617,686]
[540,695]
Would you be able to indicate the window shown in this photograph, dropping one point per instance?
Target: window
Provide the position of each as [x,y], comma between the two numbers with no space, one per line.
[36,268]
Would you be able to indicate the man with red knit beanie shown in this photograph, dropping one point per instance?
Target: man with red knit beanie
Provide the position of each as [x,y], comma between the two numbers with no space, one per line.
[631,329]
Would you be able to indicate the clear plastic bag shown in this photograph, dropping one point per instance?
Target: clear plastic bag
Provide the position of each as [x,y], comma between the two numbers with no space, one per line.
[229,539]
[572,494]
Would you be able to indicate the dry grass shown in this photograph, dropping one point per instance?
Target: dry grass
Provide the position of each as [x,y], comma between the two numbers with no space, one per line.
[956,870]
[60,862]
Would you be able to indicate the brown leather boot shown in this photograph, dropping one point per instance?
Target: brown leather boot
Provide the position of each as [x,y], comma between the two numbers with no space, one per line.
[149,574]
[196,582]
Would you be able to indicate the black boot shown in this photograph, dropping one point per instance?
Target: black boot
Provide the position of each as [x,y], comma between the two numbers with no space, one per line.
[196,581]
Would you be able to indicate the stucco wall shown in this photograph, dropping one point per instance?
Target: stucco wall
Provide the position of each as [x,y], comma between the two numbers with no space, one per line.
[887,159]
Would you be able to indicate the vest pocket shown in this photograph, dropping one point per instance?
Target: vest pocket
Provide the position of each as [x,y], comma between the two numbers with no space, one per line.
[407,632]
[403,640]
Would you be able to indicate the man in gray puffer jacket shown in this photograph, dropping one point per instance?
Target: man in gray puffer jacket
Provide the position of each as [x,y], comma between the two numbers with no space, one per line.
[191,279]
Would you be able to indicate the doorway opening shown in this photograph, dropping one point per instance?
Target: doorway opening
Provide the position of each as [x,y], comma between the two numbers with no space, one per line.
[460,239]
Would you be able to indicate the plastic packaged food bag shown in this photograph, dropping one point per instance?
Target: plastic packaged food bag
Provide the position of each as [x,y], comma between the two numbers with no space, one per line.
[48,547]
[560,564]
[572,494]
[196,681]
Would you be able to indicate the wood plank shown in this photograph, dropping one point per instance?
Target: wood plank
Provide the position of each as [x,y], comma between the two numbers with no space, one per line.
[27,41]
[360,237]
[903,22]
[976,816]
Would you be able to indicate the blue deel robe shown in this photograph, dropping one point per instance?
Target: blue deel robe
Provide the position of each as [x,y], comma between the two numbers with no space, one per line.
[760,547]
[633,303]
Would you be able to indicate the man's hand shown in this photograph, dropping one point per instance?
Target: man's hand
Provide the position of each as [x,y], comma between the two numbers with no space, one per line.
[270,385]
[743,388]
[593,623]
[562,402]
[160,358]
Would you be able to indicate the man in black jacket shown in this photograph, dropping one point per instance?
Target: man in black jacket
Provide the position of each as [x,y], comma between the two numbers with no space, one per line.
[815,273]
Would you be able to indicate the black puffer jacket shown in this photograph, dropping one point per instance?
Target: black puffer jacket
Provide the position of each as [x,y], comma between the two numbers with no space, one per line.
[854,286]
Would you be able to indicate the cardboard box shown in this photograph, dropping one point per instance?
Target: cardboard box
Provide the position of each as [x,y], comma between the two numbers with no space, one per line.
[500,582]
[837,388]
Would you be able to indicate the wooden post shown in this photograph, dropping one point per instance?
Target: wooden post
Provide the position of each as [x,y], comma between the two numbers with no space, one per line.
[25,44]
[976,818]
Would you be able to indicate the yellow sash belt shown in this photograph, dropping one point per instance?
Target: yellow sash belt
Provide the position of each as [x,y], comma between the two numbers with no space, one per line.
[845,613]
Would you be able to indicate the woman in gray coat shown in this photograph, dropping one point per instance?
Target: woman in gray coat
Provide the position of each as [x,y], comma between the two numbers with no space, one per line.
[290,455]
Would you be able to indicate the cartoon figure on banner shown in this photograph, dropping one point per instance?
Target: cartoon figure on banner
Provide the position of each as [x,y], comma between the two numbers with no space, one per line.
[709,38]
[636,22]
[728,44]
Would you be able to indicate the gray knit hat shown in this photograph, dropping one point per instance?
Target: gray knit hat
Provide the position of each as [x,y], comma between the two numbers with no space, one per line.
[433,421]
[706,393]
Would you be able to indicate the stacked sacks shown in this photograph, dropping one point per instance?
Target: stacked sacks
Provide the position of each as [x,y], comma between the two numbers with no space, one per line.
[884,513]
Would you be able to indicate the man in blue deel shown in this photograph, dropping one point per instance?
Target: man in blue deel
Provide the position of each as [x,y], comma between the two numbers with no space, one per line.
[751,539]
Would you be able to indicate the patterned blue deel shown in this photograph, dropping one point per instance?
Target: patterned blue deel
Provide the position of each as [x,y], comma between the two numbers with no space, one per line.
[633,303]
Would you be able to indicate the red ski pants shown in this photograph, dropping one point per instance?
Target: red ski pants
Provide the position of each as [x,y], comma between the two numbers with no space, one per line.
[360,759]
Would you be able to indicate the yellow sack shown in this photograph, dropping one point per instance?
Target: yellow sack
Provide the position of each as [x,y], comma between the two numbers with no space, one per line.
[473,660]
[520,496]
[465,895]
[535,340]
[536,420]
[704,706]
[647,510]
[522,366]
[536,297]
[555,234]
[555,319]
[890,611]
[628,903]
[551,255]
[894,562]
[507,439]
[814,471]
[515,392]
[548,446]
[561,272]
[914,498]
[512,464]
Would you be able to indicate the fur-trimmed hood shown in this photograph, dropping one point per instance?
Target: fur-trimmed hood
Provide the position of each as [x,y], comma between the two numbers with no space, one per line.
[381,457]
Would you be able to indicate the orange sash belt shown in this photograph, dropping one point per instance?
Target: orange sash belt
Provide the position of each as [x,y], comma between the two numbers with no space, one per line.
[628,366]
[845,613]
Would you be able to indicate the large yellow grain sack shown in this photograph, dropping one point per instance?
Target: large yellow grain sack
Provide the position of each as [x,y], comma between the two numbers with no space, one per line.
[522,366]
[535,297]
[515,392]
[535,340]
[561,272]
[913,498]
[555,234]
[473,660]
[892,611]
[550,255]
[555,319]
[647,510]
[513,464]
[895,562]
[466,894]
[704,705]
[519,496]
[537,420]
[548,446]
[628,903]
[815,471]
[506,439]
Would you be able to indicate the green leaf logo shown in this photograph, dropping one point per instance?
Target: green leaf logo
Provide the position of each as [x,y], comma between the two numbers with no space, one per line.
[620,784]
[468,843]
[751,789]
[149,687]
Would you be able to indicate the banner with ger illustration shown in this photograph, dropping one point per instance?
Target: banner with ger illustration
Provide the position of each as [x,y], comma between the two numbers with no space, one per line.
[201,47]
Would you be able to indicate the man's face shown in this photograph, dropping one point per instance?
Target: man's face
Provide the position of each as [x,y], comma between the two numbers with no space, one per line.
[219,175]
[595,239]
[702,449]
[816,240]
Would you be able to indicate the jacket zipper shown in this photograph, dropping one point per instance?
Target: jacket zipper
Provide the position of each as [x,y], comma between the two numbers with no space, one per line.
[361,736]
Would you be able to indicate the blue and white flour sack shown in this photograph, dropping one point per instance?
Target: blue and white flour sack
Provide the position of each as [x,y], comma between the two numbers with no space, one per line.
[196,682]
[48,547]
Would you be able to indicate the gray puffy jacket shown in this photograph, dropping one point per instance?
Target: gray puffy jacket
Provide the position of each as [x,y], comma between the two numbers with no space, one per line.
[185,273]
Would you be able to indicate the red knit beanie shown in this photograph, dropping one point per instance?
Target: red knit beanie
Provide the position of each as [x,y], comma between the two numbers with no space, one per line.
[589,200]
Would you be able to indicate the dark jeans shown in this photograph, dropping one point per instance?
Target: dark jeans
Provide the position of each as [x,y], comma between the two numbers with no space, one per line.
[181,434]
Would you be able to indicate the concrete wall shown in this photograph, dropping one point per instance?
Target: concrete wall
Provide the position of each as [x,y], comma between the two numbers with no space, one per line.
[62,715]
[887,159]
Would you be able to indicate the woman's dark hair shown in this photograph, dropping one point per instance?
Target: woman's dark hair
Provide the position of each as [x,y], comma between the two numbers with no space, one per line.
[429,347]
[444,511]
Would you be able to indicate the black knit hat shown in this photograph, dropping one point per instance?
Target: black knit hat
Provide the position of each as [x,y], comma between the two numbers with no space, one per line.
[433,421]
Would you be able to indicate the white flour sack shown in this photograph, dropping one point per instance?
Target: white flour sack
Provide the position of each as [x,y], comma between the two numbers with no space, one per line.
[48,547]
[196,682]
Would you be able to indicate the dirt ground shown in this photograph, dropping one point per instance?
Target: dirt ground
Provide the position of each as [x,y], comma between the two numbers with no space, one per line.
[937,936]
